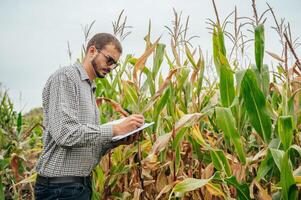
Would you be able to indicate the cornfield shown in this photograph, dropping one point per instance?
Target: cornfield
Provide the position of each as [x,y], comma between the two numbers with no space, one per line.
[223,129]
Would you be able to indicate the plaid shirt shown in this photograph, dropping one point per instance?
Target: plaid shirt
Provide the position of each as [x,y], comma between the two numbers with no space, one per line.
[74,141]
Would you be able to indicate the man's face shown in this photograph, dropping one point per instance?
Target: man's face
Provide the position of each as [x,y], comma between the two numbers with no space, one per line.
[105,60]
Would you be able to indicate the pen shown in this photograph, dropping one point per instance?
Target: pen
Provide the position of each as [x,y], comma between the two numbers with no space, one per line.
[128,111]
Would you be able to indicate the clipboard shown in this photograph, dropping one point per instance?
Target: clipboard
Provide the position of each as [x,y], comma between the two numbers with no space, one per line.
[120,137]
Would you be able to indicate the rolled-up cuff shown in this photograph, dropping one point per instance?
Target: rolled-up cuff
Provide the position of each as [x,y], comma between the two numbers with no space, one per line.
[106,132]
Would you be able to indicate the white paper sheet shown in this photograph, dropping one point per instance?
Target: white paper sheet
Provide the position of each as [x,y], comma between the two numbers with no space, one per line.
[120,137]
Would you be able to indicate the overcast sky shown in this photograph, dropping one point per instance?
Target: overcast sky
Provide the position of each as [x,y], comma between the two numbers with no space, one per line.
[34,34]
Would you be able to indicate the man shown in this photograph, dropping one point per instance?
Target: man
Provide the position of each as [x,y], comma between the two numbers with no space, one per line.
[74,141]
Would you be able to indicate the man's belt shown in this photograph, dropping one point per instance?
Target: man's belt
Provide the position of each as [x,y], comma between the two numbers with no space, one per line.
[63,179]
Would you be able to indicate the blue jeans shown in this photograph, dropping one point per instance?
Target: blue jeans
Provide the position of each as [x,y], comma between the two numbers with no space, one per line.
[63,191]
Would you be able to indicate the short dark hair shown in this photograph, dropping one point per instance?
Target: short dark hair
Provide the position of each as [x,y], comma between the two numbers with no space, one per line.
[100,40]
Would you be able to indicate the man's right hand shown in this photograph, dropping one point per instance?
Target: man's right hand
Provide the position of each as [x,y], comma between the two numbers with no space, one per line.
[131,123]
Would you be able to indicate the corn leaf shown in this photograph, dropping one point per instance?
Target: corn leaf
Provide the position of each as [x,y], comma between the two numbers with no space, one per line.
[142,60]
[243,192]
[256,106]
[158,59]
[259,46]
[227,91]
[130,92]
[277,156]
[226,122]
[220,161]
[189,184]
[287,181]
[285,130]
[267,164]
[190,56]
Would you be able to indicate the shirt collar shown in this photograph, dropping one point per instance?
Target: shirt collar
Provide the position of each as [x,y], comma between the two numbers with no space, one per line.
[84,76]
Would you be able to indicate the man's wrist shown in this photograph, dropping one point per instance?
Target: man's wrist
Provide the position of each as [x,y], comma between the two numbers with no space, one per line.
[116,130]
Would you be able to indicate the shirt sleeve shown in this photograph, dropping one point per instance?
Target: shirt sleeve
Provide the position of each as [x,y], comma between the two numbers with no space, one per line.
[108,147]
[64,125]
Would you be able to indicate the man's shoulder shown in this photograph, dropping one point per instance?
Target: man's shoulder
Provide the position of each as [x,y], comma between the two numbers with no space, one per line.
[69,72]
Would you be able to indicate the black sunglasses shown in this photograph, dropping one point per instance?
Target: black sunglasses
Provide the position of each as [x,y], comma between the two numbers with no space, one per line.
[110,61]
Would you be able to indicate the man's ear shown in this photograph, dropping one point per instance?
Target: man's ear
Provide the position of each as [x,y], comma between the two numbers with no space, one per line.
[91,51]
[89,56]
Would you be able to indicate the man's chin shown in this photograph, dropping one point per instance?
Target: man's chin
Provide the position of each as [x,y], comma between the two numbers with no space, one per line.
[100,75]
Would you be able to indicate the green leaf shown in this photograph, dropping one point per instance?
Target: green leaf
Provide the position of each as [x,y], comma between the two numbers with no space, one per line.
[190,56]
[221,41]
[19,122]
[158,59]
[130,93]
[277,156]
[226,122]
[149,81]
[162,102]
[189,184]
[133,60]
[227,91]
[220,161]
[1,189]
[285,130]
[117,79]
[201,66]
[218,42]
[265,80]
[239,76]
[182,78]
[265,166]
[178,138]
[296,148]
[171,103]
[255,104]
[259,46]
[223,69]
[218,47]
[287,181]
[242,189]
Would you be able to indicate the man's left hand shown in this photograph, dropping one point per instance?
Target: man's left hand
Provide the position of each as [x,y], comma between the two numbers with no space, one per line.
[130,139]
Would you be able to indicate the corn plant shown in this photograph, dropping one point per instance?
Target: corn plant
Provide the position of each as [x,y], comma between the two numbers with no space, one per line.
[19,148]
[228,139]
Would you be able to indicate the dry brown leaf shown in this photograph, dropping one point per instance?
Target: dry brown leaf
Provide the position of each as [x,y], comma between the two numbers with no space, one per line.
[116,106]
[161,181]
[150,162]
[239,171]
[187,120]
[194,75]
[208,171]
[15,166]
[160,143]
[174,51]
[166,189]
[260,194]
[142,60]
[137,194]
[214,191]
[275,56]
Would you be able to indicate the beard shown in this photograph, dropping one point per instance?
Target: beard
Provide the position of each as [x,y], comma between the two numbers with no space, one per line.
[94,65]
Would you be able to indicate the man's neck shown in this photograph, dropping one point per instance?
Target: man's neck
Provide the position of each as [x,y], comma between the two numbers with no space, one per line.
[89,69]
